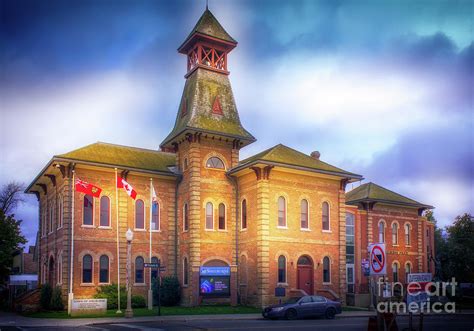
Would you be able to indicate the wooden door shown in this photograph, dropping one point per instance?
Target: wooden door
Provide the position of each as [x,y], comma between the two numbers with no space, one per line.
[305,278]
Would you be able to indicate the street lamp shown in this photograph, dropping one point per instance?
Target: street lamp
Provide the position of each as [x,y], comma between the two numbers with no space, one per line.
[129,236]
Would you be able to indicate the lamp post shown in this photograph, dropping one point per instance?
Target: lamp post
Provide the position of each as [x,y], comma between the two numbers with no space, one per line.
[129,236]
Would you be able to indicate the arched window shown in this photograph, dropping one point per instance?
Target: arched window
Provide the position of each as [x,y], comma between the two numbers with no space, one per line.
[185,272]
[244,214]
[139,275]
[154,271]
[185,217]
[51,217]
[60,211]
[104,269]
[60,269]
[326,270]
[215,162]
[88,210]
[222,225]
[281,269]
[395,271]
[325,214]
[155,216]
[87,269]
[381,231]
[407,270]
[139,214]
[394,233]
[209,216]
[281,212]
[104,211]
[407,234]
[304,214]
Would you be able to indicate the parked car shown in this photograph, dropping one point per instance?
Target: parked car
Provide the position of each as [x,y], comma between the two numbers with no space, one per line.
[305,306]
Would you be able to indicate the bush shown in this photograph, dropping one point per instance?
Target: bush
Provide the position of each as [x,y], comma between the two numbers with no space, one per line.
[170,292]
[56,299]
[109,292]
[138,301]
[45,296]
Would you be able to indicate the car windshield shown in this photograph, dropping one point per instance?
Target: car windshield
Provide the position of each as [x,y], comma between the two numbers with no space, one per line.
[292,300]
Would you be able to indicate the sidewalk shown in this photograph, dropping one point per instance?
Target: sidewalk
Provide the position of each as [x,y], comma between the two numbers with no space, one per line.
[11,319]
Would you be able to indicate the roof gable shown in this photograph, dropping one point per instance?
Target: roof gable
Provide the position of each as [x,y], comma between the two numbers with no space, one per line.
[124,156]
[372,192]
[283,155]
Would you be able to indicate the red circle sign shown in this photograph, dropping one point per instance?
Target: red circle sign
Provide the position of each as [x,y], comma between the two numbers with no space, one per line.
[377,258]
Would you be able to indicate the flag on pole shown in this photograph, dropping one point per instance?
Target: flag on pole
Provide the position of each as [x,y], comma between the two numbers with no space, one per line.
[154,198]
[121,183]
[87,188]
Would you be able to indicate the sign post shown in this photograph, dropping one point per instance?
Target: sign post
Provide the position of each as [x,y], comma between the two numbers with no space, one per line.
[159,268]
[378,260]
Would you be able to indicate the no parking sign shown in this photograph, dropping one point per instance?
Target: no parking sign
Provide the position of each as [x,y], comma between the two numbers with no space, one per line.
[378,260]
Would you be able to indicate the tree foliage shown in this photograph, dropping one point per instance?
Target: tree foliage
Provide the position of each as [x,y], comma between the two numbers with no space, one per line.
[11,240]
[10,197]
[454,251]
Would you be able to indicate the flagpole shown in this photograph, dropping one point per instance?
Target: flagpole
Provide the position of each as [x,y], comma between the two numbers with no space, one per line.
[118,245]
[150,291]
[71,262]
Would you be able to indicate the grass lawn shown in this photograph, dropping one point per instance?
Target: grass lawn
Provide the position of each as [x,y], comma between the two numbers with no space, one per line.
[165,311]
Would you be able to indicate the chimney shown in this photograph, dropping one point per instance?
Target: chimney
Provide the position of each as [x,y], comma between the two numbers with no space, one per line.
[315,155]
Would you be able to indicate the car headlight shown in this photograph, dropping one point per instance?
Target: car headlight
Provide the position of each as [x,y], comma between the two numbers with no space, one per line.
[278,308]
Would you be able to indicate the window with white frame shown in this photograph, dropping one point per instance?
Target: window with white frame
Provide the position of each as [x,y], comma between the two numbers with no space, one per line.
[139,214]
[326,270]
[209,216]
[222,218]
[304,214]
[394,233]
[407,234]
[281,212]
[381,231]
[325,216]
[104,211]
[281,269]
[155,216]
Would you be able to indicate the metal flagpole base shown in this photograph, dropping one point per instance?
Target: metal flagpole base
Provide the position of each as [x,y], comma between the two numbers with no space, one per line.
[70,297]
[150,299]
[118,311]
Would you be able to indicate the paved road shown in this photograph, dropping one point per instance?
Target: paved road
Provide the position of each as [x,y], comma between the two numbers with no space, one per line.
[442,323]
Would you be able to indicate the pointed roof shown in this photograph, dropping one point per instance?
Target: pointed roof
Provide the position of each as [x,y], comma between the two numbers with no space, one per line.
[371,192]
[196,108]
[122,156]
[208,25]
[284,156]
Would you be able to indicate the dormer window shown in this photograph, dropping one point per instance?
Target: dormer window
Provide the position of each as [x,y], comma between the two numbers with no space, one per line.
[215,162]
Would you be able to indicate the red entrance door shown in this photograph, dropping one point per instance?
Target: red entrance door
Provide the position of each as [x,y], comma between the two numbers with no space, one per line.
[305,275]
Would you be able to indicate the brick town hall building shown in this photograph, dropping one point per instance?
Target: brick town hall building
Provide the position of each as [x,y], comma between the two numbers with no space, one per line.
[280,218]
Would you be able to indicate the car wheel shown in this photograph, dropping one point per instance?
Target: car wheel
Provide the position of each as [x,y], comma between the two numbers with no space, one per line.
[330,313]
[291,314]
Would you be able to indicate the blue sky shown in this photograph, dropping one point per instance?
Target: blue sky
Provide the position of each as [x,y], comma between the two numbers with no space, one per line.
[380,88]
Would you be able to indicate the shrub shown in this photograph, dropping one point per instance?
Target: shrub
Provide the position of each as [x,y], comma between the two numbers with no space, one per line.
[56,299]
[138,301]
[45,296]
[170,292]
[109,292]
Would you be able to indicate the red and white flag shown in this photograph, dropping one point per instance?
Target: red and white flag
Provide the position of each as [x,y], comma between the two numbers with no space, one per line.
[154,198]
[121,183]
[87,188]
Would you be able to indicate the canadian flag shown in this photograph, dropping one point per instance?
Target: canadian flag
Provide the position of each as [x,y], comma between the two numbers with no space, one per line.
[121,183]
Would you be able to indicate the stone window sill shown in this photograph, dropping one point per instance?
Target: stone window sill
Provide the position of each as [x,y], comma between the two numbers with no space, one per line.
[87,284]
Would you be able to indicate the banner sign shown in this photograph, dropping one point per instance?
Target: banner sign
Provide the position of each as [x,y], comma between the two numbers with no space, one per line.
[214,271]
[416,291]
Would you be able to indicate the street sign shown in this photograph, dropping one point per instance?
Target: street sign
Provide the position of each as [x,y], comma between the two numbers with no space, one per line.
[365,264]
[152,265]
[378,260]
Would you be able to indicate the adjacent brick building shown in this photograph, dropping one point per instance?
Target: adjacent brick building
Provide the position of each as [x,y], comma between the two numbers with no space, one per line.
[277,219]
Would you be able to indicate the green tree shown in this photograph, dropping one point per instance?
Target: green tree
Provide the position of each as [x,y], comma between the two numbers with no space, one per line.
[11,240]
[460,248]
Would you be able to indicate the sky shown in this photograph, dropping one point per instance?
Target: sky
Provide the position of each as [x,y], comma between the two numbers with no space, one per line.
[380,88]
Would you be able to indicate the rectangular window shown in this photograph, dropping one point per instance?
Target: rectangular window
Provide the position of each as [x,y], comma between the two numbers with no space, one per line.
[209,216]
[155,216]
[304,214]
[325,217]
[88,210]
[244,214]
[222,217]
[186,217]
[281,212]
